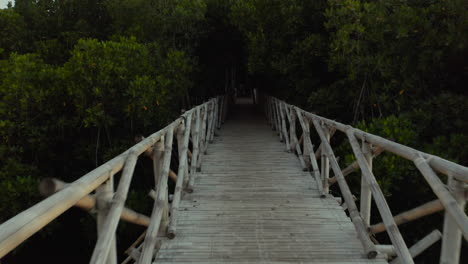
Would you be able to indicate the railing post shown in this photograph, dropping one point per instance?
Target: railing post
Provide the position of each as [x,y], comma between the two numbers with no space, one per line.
[451,238]
[309,157]
[292,129]
[183,134]
[278,119]
[308,148]
[158,161]
[385,213]
[272,113]
[366,194]
[196,145]
[183,151]
[104,194]
[325,163]
[295,146]
[209,126]
[104,241]
[212,121]
[356,218]
[157,216]
[204,132]
[283,124]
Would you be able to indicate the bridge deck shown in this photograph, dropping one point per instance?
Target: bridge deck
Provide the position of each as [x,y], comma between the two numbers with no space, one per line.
[253,204]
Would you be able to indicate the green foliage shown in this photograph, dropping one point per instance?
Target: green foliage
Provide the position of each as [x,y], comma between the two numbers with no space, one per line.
[107,79]
[286,43]
[21,190]
[391,171]
[78,101]
[175,24]
[29,98]
[391,52]
[13,32]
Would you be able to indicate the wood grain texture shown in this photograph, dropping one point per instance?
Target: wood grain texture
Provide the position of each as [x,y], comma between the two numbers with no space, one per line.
[252,203]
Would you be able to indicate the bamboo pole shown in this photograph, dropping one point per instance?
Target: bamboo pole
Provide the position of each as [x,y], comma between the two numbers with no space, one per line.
[157,214]
[441,165]
[410,215]
[355,165]
[268,111]
[292,129]
[49,186]
[135,243]
[196,142]
[278,120]
[425,243]
[275,116]
[389,250]
[325,164]
[295,147]
[422,245]
[366,194]
[392,229]
[361,229]
[318,152]
[450,203]
[272,113]
[19,228]
[203,141]
[183,135]
[309,148]
[452,237]
[283,126]
[158,165]
[149,152]
[104,195]
[209,131]
[103,244]
[213,118]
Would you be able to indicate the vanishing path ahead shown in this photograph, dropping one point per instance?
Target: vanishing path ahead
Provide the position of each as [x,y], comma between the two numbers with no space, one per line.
[252,203]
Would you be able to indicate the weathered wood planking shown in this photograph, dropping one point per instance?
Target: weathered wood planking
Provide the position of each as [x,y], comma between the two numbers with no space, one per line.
[252,203]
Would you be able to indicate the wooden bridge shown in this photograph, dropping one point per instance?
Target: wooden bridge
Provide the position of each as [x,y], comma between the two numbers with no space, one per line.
[248,198]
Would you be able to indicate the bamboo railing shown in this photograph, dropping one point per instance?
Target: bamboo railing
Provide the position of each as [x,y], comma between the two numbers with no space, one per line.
[451,196]
[195,129]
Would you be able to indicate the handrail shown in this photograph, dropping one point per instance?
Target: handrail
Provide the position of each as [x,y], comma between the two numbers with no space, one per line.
[22,226]
[452,199]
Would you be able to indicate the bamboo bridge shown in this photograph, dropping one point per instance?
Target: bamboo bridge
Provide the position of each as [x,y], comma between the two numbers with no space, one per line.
[243,196]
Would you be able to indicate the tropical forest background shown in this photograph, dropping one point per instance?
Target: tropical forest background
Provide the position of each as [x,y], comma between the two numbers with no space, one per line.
[79,79]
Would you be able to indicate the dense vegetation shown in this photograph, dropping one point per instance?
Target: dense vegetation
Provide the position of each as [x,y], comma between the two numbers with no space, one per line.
[79,79]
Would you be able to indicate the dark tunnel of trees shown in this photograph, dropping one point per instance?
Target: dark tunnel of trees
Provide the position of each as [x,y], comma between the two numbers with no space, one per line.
[79,79]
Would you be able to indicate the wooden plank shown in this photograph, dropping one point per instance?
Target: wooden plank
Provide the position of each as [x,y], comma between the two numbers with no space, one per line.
[254,204]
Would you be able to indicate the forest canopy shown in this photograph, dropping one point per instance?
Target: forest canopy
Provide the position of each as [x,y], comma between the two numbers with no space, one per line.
[80,78]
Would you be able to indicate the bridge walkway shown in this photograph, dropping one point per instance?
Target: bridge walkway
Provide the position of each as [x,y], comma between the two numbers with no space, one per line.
[252,203]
